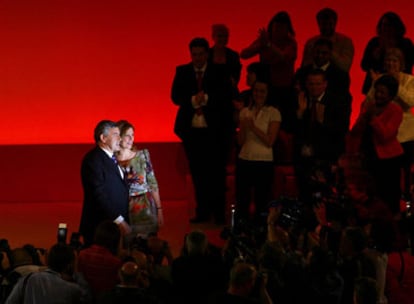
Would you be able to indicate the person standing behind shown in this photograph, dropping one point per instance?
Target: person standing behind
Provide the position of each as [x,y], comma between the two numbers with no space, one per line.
[203,94]
[219,53]
[390,34]
[105,191]
[145,210]
[197,273]
[259,127]
[100,262]
[59,283]
[277,48]
[343,47]
[338,80]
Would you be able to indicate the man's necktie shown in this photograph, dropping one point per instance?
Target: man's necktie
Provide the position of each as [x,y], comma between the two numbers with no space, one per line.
[199,76]
[314,101]
[121,172]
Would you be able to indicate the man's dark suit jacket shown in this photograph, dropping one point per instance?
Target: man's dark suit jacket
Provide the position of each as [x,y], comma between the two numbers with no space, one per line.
[105,192]
[328,138]
[338,80]
[216,84]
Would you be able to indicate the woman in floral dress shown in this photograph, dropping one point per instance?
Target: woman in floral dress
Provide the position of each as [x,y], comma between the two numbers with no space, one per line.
[145,211]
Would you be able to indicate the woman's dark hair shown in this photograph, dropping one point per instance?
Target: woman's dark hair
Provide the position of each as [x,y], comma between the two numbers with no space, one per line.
[281,17]
[395,21]
[269,95]
[390,83]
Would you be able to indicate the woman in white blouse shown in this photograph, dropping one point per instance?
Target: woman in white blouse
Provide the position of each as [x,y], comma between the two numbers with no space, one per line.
[259,127]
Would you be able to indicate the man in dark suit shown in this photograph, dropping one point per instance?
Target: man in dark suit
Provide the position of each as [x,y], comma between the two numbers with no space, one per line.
[203,93]
[338,80]
[321,126]
[105,191]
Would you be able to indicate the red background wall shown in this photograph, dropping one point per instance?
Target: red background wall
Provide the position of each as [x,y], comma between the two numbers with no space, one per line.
[64,65]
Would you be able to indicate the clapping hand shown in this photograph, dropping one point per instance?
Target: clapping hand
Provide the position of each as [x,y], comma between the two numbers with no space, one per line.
[374,75]
[200,98]
[370,110]
[302,103]
[263,37]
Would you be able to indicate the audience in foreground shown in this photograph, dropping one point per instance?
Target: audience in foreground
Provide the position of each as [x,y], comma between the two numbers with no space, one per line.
[59,283]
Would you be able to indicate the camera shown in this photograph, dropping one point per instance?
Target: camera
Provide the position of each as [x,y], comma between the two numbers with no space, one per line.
[291,213]
[62,233]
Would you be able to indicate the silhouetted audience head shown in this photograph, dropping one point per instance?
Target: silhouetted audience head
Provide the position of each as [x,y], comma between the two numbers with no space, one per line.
[21,257]
[196,243]
[242,278]
[108,235]
[61,258]
[128,273]
[34,253]
[5,256]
